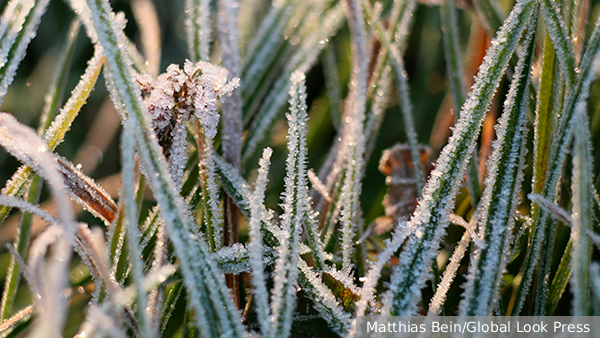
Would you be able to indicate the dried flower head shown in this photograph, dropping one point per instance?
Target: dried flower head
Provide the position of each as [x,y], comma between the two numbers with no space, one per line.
[195,89]
[175,95]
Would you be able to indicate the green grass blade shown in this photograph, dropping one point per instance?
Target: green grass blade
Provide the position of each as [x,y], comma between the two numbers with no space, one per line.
[501,196]
[542,226]
[557,30]
[18,26]
[581,253]
[57,90]
[59,127]
[204,280]
[560,281]
[431,216]
[456,79]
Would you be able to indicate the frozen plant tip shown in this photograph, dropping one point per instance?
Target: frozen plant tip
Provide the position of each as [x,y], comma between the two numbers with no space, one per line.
[195,89]
[175,95]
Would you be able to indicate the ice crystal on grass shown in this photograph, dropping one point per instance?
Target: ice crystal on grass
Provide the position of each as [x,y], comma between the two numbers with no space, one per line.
[18,26]
[261,294]
[354,134]
[501,196]
[582,211]
[295,212]
[24,143]
[431,216]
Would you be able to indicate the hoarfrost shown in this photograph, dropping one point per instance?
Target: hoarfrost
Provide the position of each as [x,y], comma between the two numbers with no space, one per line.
[259,282]
[431,216]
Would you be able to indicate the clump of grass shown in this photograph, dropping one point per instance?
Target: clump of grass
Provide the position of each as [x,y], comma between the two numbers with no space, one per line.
[192,242]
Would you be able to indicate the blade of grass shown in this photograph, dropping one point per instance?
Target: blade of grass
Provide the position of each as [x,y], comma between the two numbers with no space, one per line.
[503,186]
[54,135]
[454,66]
[18,26]
[211,300]
[542,227]
[431,215]
[581,253]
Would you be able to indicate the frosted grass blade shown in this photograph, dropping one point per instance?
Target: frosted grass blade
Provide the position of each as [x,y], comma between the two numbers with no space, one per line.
[302,59]
[26,205]
[439,298]
[18,26]
[131,217]
[203,279]
[21,246]
[295,212]
[198,29]
[325,302]
[231,121]
[61,124]
[261,295]
[454,66]
[501,196]
[556,28]
[542,227]
[431,216]
[399,27]
[353,133]
[23,143]
[53,99]
[213,214]
[239,190]
[581,253]
[401,81]
[268,42]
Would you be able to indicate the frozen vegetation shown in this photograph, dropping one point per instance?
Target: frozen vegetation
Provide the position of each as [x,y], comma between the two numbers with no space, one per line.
[246,201]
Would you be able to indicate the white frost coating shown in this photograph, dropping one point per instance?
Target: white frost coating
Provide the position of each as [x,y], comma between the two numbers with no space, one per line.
[24,143]
[582,214]
[203,279]
[556,211]
[10,54]
[198,29]
[194,90]
[438,300]
[501,197]
[261,294]
[295,211]
[303,59]
[231,135]
[26,206]
[55,134]
[325,302]
[431,215]
[131,216]
[353,126]
[367,292]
